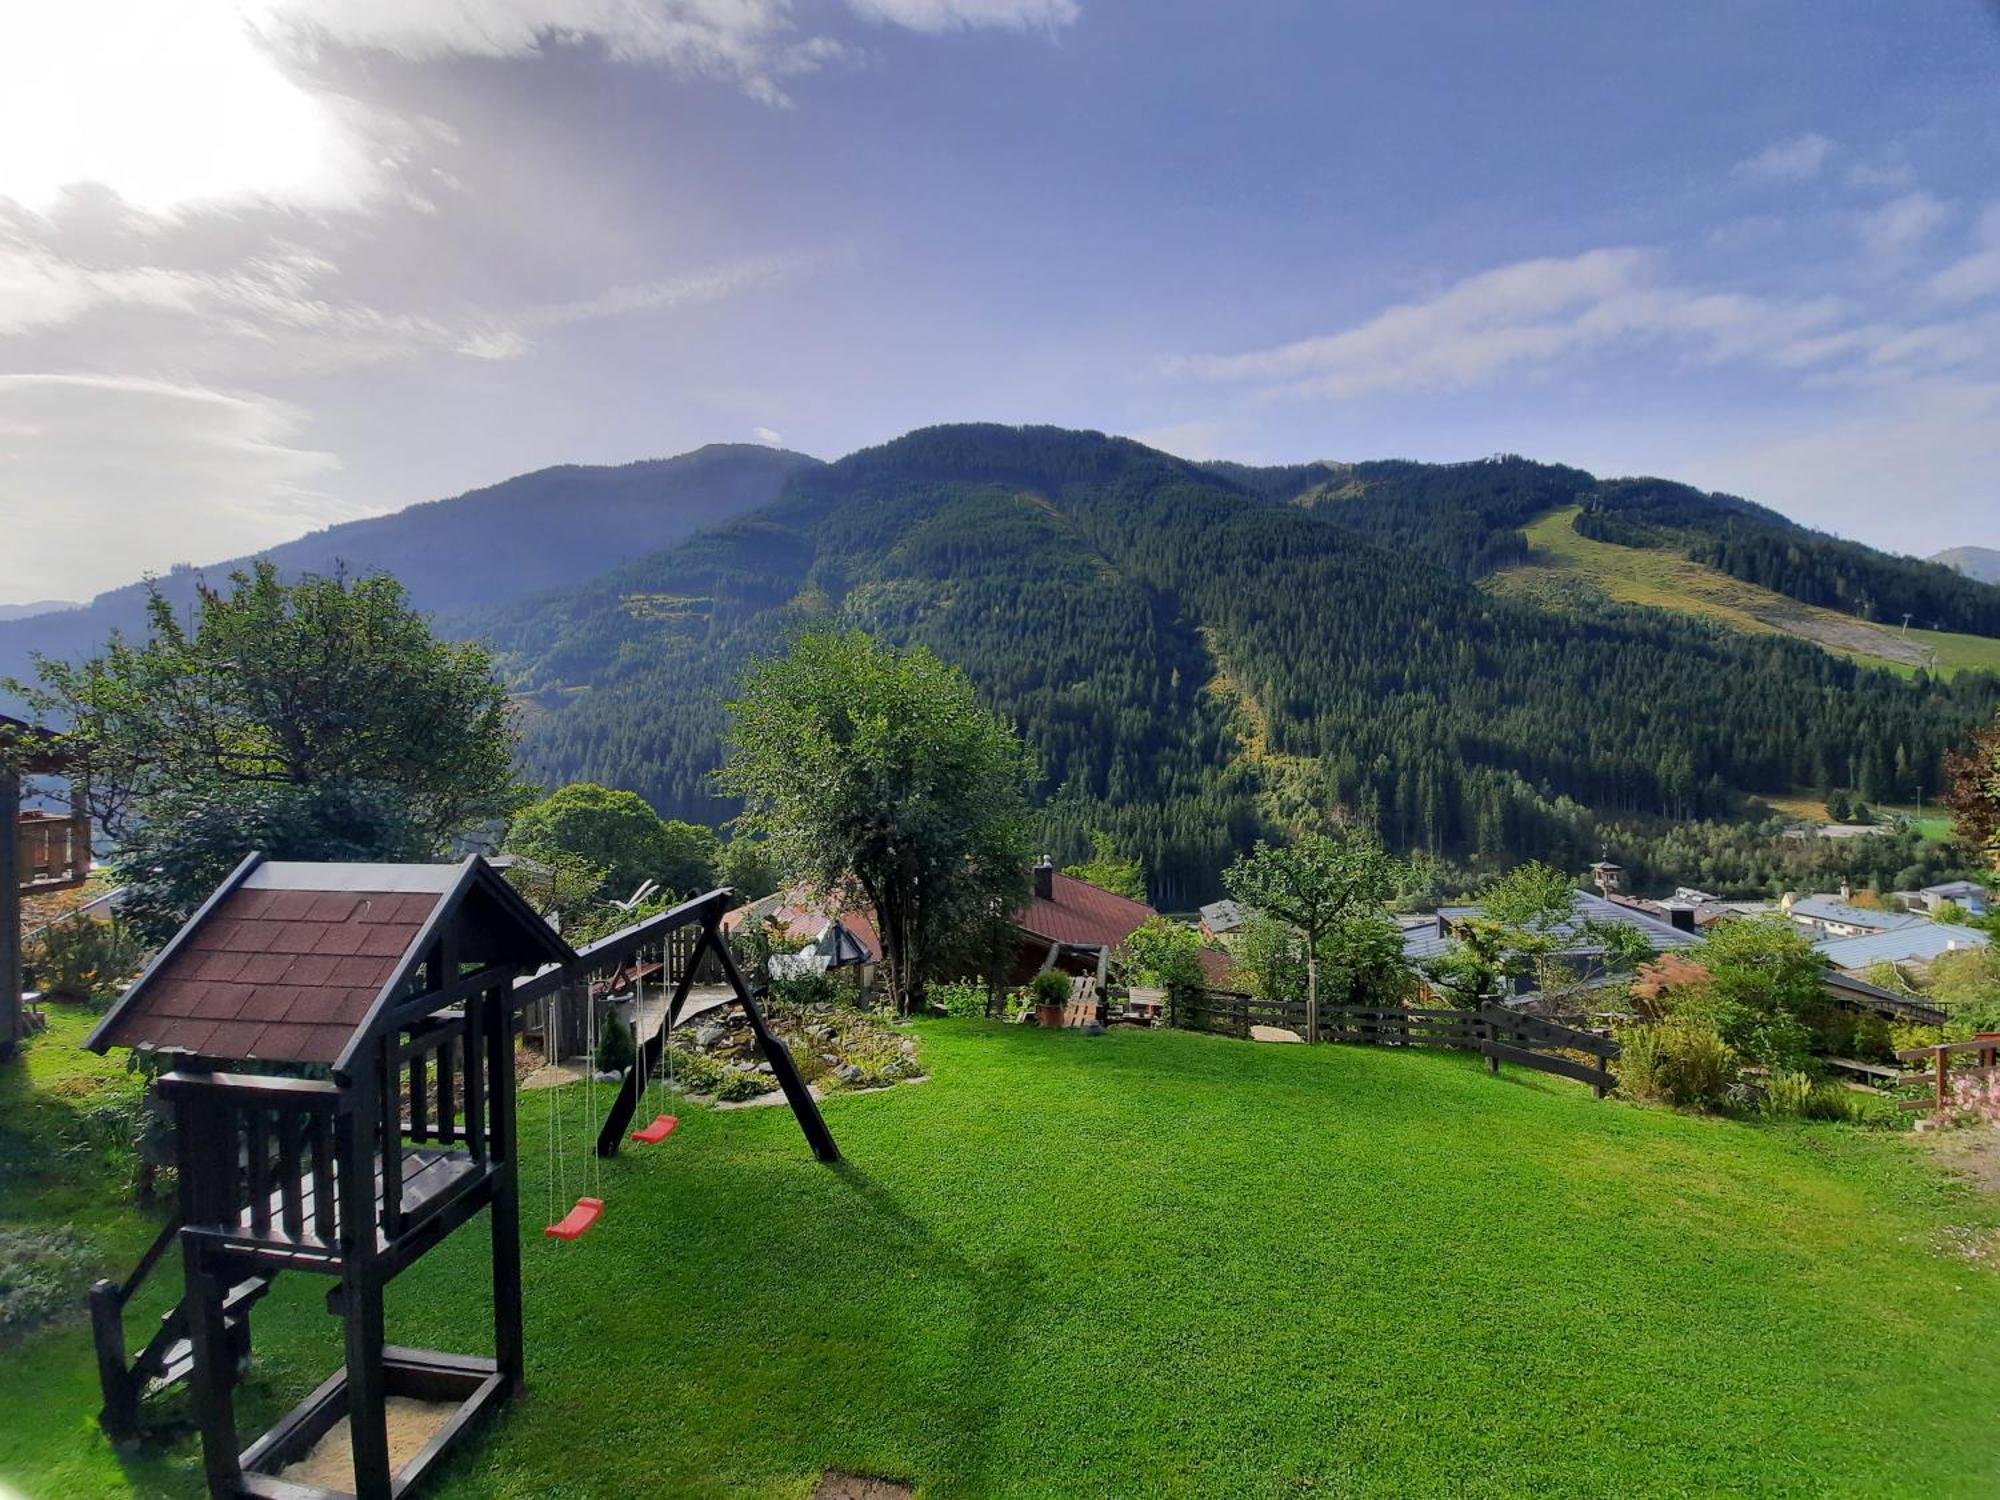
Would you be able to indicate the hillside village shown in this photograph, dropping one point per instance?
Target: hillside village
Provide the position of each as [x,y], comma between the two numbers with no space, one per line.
[344,906]
[999,750]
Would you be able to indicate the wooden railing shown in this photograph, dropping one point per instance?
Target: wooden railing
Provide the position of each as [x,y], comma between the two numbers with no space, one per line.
[53,852]
[270,1173]
[1937,1064]
[1233,1013]
[1497,1033]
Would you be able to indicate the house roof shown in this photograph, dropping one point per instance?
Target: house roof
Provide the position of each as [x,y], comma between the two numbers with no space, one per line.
[1421,944]
[292,962]
[1919,942]
[1887,1002]
[1951,890]
[1222,916]
[1668,971]
[1081,915]
[1671,971]
[1833,909]
[805,921]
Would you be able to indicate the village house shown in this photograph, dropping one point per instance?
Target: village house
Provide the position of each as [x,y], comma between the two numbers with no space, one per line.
[1917,942]
[1067,924]
[1839,917]
[1577,946]
[1969,895]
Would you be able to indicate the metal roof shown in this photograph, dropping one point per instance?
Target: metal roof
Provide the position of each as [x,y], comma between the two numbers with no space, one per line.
[1833,909]
[1426,942]
[1919,942]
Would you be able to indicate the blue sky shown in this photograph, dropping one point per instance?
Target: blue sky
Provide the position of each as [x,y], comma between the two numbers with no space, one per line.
[267,264]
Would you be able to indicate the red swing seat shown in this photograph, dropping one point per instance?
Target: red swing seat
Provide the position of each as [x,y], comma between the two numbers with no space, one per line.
[658,1131]
[576,1220]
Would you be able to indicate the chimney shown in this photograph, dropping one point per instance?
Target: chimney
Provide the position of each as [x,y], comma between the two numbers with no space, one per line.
[1846,891]
[1045,879]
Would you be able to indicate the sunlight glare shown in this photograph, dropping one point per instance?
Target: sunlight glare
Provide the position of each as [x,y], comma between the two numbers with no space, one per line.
[167,105]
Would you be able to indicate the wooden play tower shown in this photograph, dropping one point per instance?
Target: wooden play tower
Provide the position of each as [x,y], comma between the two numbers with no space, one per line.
[395,984]
[378,1006]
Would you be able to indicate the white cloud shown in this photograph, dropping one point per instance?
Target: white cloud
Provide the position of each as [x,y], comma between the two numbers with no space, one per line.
[961,15]
[213,102]
[95,471]
[1528,314]
[281,313]
[755,44]
[1977,275]
[770,437]
[1794,160]
[1901,225]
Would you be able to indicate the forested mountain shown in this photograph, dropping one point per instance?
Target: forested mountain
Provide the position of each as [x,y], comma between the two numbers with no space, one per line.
[527,534]
[1190,648]
[1762,547]
[1982,563]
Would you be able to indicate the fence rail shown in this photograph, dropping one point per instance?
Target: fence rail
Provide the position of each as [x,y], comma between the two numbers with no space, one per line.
[1497,1033]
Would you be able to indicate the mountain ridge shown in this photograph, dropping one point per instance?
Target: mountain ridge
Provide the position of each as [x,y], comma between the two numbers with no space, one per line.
[535,531]
[1981,563]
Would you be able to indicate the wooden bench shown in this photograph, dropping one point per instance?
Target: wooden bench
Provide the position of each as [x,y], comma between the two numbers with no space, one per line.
[1878,1075]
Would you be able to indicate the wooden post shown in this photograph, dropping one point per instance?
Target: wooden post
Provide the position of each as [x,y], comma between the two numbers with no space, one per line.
[367,1394]
[11,1024]
[804,1108]
[1943,1076]
[214,1373]
[508,1344]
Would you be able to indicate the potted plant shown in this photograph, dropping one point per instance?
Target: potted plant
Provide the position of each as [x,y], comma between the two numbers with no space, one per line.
[1050,990]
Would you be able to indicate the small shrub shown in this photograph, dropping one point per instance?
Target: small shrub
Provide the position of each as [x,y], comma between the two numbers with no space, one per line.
[816,989]
[43,1274]
[85,961]
[696,1072]
[1907,1036]
[614,1045]
[1050,987]
[1873,1039]
[963,998]
[740,1084]
[1786,1094]
[1680,1061]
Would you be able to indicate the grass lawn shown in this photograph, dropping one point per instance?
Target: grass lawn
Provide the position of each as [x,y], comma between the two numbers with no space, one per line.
[1561,561]
[1157,1263]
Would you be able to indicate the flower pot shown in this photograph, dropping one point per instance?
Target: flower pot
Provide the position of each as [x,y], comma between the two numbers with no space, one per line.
[1048,1015]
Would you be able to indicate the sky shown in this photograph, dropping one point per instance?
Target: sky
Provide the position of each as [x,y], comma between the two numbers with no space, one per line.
[266,265]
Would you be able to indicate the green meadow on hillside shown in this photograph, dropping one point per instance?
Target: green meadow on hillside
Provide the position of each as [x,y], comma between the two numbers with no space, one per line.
[1156,1263]
[1563,565]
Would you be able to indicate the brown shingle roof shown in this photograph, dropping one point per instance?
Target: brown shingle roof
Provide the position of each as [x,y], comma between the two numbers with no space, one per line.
[1083,914]
[275,975]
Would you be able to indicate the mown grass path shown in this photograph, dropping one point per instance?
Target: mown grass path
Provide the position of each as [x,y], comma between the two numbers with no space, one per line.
[1157,1263]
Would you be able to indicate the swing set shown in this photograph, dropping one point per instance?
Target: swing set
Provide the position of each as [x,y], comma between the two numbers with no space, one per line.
[380,1005]
[651,1070]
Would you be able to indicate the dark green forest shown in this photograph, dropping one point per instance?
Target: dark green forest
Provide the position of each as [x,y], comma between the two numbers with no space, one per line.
[1191,649]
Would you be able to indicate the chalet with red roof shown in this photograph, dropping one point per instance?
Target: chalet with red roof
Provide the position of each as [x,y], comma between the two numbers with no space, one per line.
[1067,924]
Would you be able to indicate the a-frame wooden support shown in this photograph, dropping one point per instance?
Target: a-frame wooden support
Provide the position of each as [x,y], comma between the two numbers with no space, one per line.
[646,1056]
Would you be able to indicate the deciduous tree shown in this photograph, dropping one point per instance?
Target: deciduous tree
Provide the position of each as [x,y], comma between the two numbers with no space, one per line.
[880,770]
[314,720]
[1317,885]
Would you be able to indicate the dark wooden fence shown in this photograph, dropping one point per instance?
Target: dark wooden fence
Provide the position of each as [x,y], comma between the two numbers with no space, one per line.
[1230,1013]
[1497,1033]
